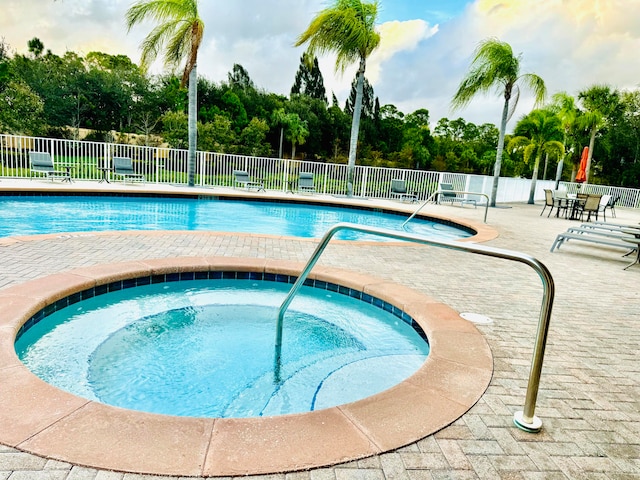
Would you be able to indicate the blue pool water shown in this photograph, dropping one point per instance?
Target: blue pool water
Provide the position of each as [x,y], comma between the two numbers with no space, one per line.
[206,349]
[30,215]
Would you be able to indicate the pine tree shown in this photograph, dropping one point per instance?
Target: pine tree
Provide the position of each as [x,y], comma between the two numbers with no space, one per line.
[309,79]
[334,100]
[368,99]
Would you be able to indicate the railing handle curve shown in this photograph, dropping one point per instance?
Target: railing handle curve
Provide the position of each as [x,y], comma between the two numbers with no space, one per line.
[525,419]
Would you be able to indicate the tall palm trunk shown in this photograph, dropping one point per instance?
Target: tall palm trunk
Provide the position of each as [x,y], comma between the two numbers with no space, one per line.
[561,166]
[498,164]
[546,164]
[193,126]
[534,179]
[355,128]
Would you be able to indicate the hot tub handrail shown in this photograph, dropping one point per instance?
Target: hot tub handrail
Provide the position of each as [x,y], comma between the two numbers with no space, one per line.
[525,419]
[437,192]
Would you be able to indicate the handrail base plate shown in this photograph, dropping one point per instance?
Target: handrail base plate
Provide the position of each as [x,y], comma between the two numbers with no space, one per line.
[534,427]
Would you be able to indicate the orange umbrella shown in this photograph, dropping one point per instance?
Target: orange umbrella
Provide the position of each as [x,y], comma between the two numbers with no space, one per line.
[582,171]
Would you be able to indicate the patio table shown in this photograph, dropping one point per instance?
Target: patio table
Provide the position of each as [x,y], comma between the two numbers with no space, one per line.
[574,206]
[104,171]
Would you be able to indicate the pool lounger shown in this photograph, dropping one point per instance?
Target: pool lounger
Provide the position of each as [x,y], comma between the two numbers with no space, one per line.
[42,163]
[243,179]
[611,233]
[608,226]
[589,237]
[123,167]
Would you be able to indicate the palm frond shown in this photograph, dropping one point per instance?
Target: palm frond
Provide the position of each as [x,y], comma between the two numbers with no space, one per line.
[537,87]
[347,28]
[153,43]
[178,44]
[180,29]
[517,143]
[554,147]
[530,151]
[493,65]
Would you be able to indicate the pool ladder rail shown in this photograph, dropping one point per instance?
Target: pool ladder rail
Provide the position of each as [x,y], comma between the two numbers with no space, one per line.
[435,195]
[524,419]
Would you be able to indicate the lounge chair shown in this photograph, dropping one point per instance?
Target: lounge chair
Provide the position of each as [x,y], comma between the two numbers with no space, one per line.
[243,179]
[631,243]
[123,167]
[399,189]
[42,164]
[609,225]
[305,182]
[609,233]
[448,195]
[589,237]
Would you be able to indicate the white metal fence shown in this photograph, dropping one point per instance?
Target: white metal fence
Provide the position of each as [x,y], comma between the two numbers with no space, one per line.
[169,166]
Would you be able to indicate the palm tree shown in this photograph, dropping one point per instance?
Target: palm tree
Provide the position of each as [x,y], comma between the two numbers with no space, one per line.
[599,103]
[538,133]
[346,28]
[564,106]
[494,65]
[297,132]
[181,30]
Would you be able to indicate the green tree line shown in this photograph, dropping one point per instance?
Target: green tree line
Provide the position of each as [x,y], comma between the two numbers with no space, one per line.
[45,94]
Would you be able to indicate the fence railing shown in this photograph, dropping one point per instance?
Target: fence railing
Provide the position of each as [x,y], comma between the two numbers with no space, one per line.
[169,166]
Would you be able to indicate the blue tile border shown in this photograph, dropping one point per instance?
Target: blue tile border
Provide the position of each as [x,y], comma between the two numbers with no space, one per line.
[217,275]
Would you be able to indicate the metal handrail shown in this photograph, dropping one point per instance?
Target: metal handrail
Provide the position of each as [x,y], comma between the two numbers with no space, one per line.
[525,419]
[434,194]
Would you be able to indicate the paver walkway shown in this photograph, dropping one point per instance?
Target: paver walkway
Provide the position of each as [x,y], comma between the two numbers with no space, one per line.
[589,399]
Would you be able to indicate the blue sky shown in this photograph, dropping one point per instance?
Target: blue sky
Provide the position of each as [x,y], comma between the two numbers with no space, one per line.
[426,48]
[433,11]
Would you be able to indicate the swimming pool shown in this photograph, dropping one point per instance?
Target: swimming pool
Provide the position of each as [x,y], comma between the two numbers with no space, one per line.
[39,418]
[33,215]
[205,348]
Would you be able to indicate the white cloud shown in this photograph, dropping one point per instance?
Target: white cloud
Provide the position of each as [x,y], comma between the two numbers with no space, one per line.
[571,44]
[397,38]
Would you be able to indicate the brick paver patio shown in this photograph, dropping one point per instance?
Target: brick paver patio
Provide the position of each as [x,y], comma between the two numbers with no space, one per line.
[589,399]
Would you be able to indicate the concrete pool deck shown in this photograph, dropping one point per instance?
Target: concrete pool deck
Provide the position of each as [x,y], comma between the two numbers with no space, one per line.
[589,389]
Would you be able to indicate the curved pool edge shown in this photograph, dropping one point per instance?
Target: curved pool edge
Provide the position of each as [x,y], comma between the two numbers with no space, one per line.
[43,420]
[483,232]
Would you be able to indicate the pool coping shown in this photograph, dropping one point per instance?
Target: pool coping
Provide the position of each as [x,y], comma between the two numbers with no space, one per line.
[41,419]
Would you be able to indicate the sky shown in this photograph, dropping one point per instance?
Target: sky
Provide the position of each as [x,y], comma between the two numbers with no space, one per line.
[426,45]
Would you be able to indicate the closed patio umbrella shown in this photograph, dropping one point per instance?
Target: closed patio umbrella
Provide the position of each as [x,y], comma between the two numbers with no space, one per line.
[582,171]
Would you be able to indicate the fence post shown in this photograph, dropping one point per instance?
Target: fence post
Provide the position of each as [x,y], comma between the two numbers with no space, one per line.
[363,186]
[285,174]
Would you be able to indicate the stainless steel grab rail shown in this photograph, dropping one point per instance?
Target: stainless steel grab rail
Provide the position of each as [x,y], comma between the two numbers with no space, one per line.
[434,194]
[525,419]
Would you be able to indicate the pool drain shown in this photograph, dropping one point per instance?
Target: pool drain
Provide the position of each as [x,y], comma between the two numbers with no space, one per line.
[476,318]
